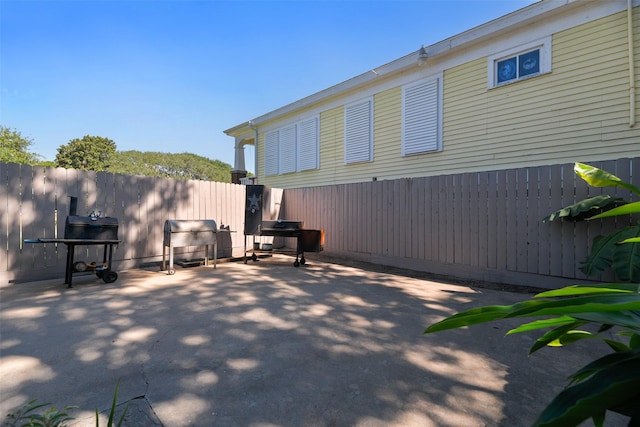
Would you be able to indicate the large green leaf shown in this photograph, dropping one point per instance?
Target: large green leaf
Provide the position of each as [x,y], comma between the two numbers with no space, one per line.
[625,319]
[598,178]
[626,209]
[553,335]
[544,324]
[592,289]
[611,387]
[583,209]
[606,250]
[540,307]
[626,257]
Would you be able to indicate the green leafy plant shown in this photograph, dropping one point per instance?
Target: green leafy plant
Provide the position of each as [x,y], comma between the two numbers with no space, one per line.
[607,251]
[112,411]
[612,382]
[27,416]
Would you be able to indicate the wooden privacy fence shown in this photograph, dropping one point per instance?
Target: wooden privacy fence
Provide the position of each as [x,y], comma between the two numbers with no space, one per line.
[34,202]
[484,226]
[481,226]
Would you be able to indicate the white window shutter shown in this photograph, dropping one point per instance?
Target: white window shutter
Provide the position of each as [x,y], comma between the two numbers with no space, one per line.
[358,134]
[271,153]
[287,149]
[421,122]
[308,145]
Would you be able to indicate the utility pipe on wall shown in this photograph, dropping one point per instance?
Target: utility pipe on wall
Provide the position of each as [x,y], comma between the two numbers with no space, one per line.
[632,72]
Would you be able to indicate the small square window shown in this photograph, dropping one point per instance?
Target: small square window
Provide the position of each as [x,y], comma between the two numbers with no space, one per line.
[521,62]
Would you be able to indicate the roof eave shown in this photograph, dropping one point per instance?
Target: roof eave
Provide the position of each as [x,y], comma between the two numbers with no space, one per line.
[473,35]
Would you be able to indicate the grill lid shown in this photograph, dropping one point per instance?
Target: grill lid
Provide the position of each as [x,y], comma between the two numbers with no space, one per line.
[189,226]
[282,225]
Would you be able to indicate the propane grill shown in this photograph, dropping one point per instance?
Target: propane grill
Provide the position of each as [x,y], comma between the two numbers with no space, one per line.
[181,233]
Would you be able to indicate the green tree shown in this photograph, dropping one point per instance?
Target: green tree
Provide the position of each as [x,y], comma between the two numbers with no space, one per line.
[90,152]
[14,147]
[170,165]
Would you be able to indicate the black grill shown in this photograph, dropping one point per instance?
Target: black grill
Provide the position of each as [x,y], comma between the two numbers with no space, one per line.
[86,231]
[258,221]
[91,228]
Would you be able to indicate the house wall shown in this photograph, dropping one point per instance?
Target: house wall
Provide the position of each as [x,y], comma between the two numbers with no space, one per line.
[578,112]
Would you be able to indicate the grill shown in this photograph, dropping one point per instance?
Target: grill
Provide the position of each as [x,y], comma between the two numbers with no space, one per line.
[259,222]
[181,233]
[91,228]
[86,231]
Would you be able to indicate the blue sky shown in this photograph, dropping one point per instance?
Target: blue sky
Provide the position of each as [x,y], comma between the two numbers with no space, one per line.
[171,76]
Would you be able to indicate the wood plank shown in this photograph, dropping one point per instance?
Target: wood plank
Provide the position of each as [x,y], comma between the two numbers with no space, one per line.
[466,242]
[442,219]
[437,232]
[378,214]
[14,231]
[523,218]
[502,216]
[477,218]
[421,228]
[555,228]
[511,221]
[568,228]
[28,219]
[544,209]
[581,230]
[492,216]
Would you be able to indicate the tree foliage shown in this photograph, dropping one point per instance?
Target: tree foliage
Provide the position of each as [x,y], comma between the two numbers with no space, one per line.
[89,152]
[100,154]
[14,148]
[168,165]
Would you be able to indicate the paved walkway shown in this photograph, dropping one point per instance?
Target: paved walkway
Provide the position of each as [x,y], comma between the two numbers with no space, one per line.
[266,344]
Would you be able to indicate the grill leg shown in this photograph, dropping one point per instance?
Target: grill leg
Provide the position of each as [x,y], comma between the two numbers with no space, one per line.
[68,275]
[215,253]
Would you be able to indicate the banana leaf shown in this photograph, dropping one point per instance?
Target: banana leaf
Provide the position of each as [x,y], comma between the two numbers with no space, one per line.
[584,209]
[613,386]
[553,336]
[606,250]
[625,209]
[556,307]
[591,289]
[598,178]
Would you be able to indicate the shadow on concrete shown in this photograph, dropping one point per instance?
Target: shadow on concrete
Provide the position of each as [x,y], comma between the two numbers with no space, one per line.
[266,344]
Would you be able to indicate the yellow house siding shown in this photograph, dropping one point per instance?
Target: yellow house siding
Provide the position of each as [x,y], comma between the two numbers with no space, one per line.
[577,112]
[563,116]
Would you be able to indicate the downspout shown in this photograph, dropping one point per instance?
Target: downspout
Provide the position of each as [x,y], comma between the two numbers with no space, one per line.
[255,150]
[632,79]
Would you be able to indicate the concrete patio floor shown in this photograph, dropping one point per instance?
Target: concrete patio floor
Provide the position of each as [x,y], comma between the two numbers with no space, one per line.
[266,344]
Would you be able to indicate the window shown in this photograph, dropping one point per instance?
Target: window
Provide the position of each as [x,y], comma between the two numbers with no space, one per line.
[358,140]
[292,148]
[527,61]
[421,115]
